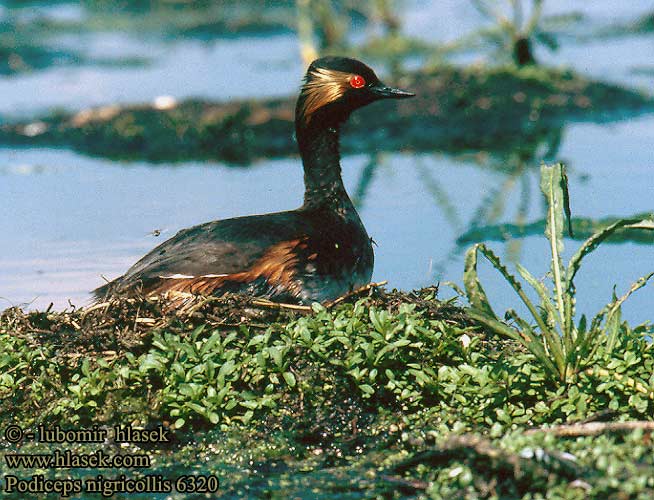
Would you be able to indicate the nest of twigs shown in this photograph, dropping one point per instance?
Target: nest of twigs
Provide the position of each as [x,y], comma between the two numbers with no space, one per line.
[123,324]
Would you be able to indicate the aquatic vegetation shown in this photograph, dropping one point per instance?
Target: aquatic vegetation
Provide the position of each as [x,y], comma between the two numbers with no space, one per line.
[514,34]
[325,27]
[564,347]
[392,390]
[642,25]
[395,394]
[203,19]
[645,24]
[226,374]
[455,109]
[511,34]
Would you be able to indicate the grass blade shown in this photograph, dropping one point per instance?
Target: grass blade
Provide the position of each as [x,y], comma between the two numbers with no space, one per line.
[546,303]
[526,337]
[566,201]
[614,310]
[515,284]
[594,241]
[474,291]
[552,339]
[551,182]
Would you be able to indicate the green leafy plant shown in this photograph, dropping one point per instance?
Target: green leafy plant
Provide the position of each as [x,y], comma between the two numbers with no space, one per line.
[562,346]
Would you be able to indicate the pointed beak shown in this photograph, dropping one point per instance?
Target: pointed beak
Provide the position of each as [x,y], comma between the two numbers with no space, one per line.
[382,91]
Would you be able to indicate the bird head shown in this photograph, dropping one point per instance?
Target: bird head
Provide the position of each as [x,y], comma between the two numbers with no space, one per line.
[335,86]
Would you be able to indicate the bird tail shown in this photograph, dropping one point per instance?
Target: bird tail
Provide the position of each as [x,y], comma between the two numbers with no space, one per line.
[104,292]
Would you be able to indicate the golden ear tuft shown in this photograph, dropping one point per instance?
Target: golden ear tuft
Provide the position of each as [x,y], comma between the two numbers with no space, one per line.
[323,87]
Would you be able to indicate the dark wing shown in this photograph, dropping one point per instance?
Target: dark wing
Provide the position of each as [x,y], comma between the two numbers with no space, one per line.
[225,247]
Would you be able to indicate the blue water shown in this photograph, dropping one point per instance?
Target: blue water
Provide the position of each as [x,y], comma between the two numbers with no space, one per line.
[67,219]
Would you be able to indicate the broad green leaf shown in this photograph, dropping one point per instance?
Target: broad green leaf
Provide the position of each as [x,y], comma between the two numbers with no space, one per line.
[289,378]
[277,354]
[226,369]
[367,389]
[210,343]
[197,332]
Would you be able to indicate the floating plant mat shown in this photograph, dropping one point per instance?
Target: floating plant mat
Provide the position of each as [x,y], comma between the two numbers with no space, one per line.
[455,110]
[395,395]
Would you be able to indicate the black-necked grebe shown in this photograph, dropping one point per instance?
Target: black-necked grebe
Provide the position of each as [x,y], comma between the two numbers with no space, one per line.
[315,253]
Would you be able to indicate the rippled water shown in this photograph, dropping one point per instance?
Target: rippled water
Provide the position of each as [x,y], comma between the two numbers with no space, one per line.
[68,219]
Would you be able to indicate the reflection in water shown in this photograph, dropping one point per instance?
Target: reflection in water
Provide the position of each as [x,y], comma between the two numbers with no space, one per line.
[522,166]
[582,228]
[520,170]
[439,194]
[375,160]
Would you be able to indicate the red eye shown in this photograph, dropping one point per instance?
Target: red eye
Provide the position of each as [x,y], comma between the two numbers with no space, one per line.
[357,81]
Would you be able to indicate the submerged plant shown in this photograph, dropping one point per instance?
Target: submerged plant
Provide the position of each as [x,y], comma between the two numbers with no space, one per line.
[562,346]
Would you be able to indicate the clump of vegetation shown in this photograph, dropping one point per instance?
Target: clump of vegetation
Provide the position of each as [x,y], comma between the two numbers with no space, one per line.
[561,345]
[225,368]
[456,110]
[515,33]
[29,43]
[395,394]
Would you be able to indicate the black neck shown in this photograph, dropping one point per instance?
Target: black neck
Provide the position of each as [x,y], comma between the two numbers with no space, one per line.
[319,148]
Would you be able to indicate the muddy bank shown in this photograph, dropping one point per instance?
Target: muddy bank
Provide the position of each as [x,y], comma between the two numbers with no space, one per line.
[494,110]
